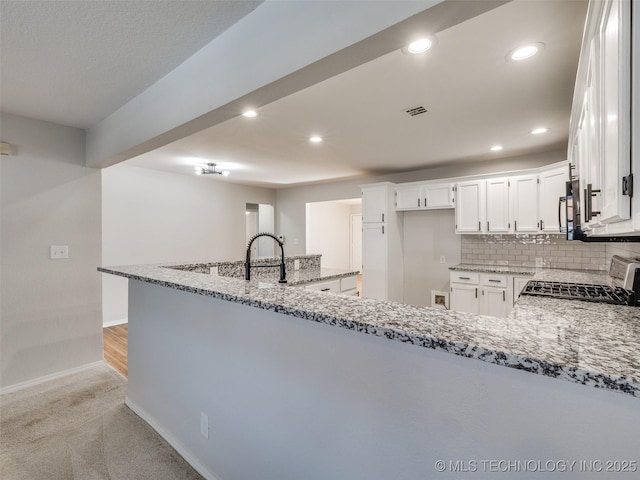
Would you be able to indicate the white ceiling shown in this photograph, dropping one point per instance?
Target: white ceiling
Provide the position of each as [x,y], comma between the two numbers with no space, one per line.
[474,97]
[75,62]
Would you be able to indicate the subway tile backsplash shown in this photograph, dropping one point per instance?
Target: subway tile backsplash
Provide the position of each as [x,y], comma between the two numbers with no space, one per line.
[523,250]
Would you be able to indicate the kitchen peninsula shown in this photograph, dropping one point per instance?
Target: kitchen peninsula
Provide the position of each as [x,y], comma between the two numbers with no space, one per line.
[254,380]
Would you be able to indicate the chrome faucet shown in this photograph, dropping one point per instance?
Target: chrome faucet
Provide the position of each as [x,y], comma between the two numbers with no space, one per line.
[247,263]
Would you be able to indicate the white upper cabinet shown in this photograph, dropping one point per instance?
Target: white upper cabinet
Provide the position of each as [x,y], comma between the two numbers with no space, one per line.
[470,206]
[409,197]
[614,100]
[498,208]
[424,196]
[552,186]
[375,203]
[438,195]
[525,203]
[600,135]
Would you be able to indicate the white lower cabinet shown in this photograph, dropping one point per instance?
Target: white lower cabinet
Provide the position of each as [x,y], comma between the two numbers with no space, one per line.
[481,293]
[343,286]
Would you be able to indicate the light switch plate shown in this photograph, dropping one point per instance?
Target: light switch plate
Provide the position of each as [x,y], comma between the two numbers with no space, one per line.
[58,252]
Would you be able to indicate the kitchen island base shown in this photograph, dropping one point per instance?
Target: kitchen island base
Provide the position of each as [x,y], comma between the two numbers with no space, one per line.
[289,398]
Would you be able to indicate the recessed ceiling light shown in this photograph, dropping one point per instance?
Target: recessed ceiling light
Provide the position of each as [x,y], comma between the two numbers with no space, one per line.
[315,139]
[250,114]
[538,131]
[496,148]
[524,52]
[420,46]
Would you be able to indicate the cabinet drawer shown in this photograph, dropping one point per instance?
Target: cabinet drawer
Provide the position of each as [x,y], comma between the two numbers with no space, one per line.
[330,286]
[493,280]
[465,277]
[348,283]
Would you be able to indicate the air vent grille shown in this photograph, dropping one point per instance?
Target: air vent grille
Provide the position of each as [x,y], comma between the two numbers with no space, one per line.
[414,111]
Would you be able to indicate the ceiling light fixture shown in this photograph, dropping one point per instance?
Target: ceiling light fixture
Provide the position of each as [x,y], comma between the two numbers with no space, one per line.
[211,169]
[250,114]
[315,139]
[420,46]
[538,131]
[524,52]
[496,148]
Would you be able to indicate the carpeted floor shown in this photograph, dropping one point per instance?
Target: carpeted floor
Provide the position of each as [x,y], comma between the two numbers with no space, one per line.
[78,428]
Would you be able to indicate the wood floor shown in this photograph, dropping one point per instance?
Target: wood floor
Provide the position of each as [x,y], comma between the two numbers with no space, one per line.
[115,347]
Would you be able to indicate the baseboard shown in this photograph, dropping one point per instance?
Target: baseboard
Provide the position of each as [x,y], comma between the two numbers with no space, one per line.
[47,378]
[184,453]
[113,323]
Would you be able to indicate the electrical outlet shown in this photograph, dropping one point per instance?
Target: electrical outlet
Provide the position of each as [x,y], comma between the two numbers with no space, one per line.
[539,262]
[204,425]
[443,260]
[57,252]
[296,264]
[440,300]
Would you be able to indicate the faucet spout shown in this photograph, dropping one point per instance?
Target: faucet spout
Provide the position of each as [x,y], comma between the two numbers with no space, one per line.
[247,263]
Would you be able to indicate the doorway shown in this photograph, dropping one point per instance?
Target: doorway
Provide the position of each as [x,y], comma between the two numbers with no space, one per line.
[333,230]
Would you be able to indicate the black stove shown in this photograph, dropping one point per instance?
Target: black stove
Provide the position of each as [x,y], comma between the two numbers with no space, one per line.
[578,291]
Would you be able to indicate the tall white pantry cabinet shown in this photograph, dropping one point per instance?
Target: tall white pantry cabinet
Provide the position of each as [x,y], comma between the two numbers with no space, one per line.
[382,259]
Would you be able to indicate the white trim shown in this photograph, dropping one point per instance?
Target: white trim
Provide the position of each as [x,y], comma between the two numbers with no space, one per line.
[160,430]
[113,323]
[47,378]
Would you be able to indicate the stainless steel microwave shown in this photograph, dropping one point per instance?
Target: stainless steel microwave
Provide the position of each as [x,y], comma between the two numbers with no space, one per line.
[575,215]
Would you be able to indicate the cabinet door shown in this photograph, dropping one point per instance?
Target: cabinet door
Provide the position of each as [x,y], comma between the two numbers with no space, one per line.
[438,196]
[464,298]
[498,205]
[525,203]
[409,198]
[518,285]
[374,261]
[469,205]
[374,204]
[615,90]
[552,187]
[494,302]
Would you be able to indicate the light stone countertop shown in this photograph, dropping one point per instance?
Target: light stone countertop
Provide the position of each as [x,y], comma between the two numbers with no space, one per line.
[581,342]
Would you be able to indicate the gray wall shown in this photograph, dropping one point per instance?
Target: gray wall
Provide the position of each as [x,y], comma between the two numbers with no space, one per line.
[150,216]
[305,400]
[421,258]
[51,309]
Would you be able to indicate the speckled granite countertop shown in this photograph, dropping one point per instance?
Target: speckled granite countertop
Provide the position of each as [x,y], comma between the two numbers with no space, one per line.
[592,344]
[506,269]
[309,275]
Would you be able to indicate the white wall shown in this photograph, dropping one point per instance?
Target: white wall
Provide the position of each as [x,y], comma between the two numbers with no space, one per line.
[152,217]
[427,236]
[304,400]
[50,318]
[328,233]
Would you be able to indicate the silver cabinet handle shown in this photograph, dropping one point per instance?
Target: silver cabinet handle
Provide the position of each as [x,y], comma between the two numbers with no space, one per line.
[383,229]
[383,217]
[479,228]
[504,296]
[464,278]
[560,210]
[541,225]
[476,293]
[418,201]
[496,281]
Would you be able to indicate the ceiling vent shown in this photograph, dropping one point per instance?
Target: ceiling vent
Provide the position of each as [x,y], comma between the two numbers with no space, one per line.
[415,111]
